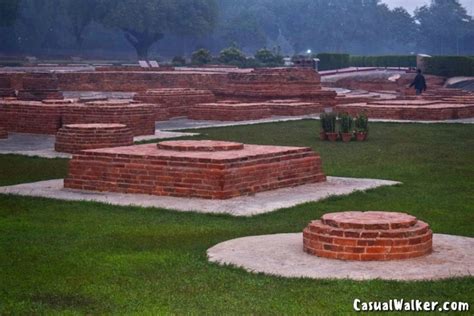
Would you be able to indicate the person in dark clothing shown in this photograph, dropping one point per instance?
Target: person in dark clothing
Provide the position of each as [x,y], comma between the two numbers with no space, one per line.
[419,83]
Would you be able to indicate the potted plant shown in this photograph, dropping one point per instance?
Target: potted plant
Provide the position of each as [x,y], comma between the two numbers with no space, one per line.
[331,127]
[345,121]
[323,121]
[362,127]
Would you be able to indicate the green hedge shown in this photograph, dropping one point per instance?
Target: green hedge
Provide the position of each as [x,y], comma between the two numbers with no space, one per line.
[450,66]
[383,61]
[329,61]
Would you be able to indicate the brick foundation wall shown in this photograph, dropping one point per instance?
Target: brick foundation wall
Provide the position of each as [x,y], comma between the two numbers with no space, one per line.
[37,87]
[138,117]
[229,112]
[169,103]
[6,89]
[294,108]
[220,173]
[48,116]
[74,138]
[3,133]
[30,116]
[368,236]
[410,110]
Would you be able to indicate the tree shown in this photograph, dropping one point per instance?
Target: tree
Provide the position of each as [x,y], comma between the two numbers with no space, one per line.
[9,11]
[201,57]
[81,14]
[144,22]
[442,26]
[232,56]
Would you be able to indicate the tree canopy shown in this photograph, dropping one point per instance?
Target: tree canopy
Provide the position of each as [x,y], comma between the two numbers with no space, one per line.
[180,27]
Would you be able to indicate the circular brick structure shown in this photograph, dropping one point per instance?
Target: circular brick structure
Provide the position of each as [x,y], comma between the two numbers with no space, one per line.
[200,145]
[76,137]
[368,236]
[3,133]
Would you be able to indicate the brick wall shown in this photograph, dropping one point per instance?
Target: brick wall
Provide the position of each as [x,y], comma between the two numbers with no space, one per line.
[174,102]
[138,117]
[219,174]
[30,116]
[229,112]
[410,110]
[3,133]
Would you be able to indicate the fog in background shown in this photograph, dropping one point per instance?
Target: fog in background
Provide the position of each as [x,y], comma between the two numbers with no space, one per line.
[162,29]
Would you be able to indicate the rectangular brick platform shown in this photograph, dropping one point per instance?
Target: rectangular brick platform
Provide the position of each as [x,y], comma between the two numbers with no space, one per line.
[402,110]
[210,175]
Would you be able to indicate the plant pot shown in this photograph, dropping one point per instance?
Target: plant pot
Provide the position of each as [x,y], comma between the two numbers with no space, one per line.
[332,136]
[322,135]
[361,136]
[346,137]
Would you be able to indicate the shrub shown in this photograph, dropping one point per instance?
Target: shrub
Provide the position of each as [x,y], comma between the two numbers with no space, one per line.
[345,122]
[383,61]
[329,61]
[450,66]
[268,59]
[178,61]
[201,57]
[362,123]
[232,56]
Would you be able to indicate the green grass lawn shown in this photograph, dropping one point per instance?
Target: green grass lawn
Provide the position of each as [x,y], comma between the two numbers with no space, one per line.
[90,258]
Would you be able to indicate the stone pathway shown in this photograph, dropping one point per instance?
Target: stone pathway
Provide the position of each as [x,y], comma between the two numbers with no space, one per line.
[259,203]
[283,255]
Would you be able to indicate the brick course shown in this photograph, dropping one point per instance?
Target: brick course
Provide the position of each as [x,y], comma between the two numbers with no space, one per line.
[368,236]
[76,137]
[189,171]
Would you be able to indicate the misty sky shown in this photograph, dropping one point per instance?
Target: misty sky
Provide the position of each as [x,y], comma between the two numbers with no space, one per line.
[411,5]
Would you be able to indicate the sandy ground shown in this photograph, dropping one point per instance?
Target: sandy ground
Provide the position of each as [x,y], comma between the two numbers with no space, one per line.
[283,255]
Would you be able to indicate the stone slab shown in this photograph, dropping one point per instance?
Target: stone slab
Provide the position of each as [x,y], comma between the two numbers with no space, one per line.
[259,203]
[283,255]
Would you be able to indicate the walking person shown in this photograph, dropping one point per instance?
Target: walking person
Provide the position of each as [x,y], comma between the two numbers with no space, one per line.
[419,83]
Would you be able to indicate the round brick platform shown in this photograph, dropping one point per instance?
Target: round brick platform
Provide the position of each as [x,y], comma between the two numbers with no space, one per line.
[368,236]
[200,145]
[3,133]
[76,137]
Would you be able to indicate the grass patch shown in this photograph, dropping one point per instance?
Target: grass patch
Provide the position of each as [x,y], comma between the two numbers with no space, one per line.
[80,257]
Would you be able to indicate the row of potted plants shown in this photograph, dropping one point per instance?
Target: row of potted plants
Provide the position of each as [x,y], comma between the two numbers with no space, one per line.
[340,126]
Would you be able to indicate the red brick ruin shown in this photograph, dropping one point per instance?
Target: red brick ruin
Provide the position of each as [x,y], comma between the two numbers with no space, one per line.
[3,133]
[203,169]
[76,137]
[368,236]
